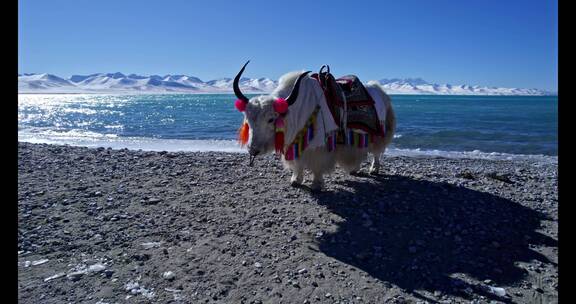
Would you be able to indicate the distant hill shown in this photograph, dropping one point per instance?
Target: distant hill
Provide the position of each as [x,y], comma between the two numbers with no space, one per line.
[120,83]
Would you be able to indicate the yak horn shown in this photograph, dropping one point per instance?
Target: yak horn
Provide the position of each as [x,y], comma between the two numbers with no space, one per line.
[237,91]
[294,94]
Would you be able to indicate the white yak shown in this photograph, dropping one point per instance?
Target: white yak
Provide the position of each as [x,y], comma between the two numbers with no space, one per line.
[302,96]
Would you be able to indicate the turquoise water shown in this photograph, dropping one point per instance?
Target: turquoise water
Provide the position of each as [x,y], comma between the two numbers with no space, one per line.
[510,124]
[514,125]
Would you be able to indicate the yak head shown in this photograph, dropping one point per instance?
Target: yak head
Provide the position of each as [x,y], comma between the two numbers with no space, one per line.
[261,113]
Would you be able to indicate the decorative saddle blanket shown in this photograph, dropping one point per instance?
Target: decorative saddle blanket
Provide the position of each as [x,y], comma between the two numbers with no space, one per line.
[347,95]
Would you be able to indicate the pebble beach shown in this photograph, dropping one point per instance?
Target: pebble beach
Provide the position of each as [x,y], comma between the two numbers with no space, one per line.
[99,225]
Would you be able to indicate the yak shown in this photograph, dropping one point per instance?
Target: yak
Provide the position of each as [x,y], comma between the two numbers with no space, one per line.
[273,122]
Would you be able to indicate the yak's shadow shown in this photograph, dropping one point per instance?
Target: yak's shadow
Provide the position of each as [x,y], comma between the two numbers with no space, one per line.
[416,234]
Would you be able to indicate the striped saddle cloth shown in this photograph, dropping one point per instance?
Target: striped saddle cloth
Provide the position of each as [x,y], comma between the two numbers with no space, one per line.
[360,111]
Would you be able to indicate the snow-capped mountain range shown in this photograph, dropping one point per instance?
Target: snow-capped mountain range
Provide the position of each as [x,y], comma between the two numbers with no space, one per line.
[134,84]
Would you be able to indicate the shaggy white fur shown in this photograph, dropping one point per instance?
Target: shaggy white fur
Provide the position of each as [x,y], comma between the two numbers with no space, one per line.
[316,157]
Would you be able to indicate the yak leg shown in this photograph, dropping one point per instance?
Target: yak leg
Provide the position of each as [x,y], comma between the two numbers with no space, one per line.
[317,181]
[297,176]
[375,164]
[355,171]
[376,149]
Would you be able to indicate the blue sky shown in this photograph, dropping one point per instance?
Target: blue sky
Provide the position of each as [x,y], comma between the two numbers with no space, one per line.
[495,43]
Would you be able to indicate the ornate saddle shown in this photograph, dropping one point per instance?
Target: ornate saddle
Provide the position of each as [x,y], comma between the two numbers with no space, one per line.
[347,96]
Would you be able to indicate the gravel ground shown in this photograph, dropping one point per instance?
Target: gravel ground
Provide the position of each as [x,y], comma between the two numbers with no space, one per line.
[120,226]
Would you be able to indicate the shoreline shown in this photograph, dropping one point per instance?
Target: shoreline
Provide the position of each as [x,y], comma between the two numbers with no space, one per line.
[204,227]
[230,146]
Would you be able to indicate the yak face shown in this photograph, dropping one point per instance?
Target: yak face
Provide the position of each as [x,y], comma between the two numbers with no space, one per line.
[261,114]
[261,117]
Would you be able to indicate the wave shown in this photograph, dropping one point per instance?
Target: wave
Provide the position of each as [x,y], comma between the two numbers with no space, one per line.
[94,139]
[476,154]
[66,135]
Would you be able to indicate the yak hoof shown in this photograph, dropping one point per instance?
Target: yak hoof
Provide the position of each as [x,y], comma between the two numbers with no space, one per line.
[374,171]
[316,186]
[355,173]
[295,183]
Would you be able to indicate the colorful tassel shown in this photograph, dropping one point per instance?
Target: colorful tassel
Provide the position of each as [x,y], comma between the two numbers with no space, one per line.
[302,139]
[289,153]
[243,134]
[279,129]
[279,142]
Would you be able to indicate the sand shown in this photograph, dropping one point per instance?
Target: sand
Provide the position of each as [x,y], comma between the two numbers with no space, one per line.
[120,226]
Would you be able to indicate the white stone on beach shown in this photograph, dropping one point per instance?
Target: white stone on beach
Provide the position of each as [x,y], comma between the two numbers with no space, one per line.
[149,245]
[135,288]
[58,275]
[169,275]
[39,262]
[499,291]
[96,268]
[75,276]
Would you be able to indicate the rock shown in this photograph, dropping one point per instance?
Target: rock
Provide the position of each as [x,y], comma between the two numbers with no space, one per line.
[141,257]
[303,270]
[58,275]
[538,289]
[172,290]
[149,245]
[75,276]
[108,273]
[466,175]
[96,268]
[501,177]
[499,291]
[154,200]
[169,275]
[151,201]
[39,262]
[328,295]
[258,265]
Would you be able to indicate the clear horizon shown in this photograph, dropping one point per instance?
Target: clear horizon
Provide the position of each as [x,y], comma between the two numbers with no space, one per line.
[494,44]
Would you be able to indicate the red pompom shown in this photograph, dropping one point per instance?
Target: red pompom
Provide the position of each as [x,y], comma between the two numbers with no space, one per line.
[240,105]
[280,105]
